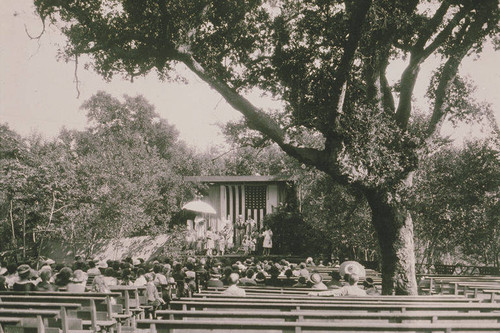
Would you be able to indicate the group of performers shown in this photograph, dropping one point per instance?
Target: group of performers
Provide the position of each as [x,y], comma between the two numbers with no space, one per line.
[244,236]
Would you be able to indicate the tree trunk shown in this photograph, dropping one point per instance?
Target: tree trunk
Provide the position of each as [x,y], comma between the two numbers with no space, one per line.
[394,227]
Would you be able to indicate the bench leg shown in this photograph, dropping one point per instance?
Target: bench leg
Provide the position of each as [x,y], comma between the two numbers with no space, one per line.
[39,324]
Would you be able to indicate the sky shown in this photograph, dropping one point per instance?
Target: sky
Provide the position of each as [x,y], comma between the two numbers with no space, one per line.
[38,93]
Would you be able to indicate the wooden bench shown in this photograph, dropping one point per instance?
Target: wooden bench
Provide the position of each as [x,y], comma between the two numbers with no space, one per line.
[157,326]
[449,284]
[87,310]
[427,316]
[337,306]
[492,293]
[57,317]
[131,301]
[379,298]
[41,319]
[6,321]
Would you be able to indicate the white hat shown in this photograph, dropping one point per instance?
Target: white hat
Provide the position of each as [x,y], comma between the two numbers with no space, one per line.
[102,264]
[234,277]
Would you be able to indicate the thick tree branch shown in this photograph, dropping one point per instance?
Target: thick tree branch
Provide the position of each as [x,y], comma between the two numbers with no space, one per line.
[418,56]
[355,28]
[388,99]
[257,119]
[432,25]
[466,38]
[443,35]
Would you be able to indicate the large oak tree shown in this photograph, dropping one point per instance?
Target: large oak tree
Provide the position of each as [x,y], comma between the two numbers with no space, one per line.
[327,62]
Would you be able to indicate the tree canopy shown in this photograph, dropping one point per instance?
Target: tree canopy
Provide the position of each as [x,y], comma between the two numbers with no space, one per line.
[326,60]
[122,176]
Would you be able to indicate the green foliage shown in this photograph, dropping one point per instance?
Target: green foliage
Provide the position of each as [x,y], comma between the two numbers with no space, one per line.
[337,220]
[289,231]
[122,176]
[456,200]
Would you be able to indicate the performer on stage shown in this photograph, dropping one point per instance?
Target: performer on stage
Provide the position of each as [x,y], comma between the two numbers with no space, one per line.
[210,244]
[268,240]
[190,238]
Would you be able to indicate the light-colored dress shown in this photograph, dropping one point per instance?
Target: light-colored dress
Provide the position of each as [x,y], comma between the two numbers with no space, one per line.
[210,245]
[268,239]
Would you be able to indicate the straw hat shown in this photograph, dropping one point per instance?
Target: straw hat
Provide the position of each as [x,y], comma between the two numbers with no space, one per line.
[315,278]
[23,269]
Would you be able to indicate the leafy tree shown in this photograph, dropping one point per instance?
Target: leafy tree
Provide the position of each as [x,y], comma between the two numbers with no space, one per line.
[13,177]
[338,221]
[325,60]
[120,177]
[456,204]
[125,169]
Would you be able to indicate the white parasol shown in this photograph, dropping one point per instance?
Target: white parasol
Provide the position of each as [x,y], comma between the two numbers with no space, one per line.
[200,207]
[349,267]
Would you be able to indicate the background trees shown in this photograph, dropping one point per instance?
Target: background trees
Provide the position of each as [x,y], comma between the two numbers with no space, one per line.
[120,177]
[113,180]
[456,204]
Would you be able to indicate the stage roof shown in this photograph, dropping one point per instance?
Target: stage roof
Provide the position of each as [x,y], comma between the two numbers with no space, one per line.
[237,179]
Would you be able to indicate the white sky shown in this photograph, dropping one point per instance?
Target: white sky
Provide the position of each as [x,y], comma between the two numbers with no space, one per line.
[37,93]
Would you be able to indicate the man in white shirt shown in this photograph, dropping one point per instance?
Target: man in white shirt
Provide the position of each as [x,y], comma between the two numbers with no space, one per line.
[233,289]
[351,289]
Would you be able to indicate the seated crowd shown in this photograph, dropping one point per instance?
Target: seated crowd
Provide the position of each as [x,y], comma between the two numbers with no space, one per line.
[174,277]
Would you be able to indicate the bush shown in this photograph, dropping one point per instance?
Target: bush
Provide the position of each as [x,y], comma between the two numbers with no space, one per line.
[288,229]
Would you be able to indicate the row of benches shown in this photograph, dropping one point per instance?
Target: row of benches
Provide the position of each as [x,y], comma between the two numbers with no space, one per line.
[264,309]
[214,312]
[486,287]
[71,312]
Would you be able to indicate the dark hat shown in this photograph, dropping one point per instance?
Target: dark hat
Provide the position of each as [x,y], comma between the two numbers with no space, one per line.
[260,277]
[214,271]
[368,283]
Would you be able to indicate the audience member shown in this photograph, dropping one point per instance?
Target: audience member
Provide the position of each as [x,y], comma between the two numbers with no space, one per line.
[160,278]
[317,282]
[63,277]
[3,283]
[77,282]
[303,270]
[11,276]
[301,283]
[93,270]
[24,283]
[351,289]
[48,264]
[260,278]
[214,280]
[152,296]
[248,279]
[370,287]
[334,283]
[45,284]
[141,278]
[233,289]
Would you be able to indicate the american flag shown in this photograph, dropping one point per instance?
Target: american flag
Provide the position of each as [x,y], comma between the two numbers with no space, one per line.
[247,201]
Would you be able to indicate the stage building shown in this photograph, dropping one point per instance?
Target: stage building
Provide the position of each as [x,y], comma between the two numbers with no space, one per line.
[247,197]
